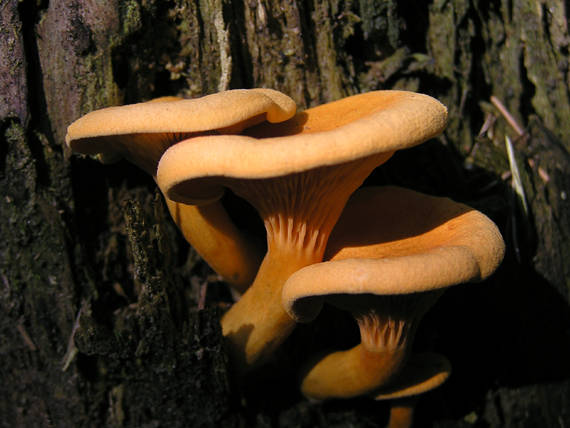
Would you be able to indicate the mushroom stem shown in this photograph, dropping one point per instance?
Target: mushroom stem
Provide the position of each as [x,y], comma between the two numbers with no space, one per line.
[257,324]
[299,212]
[402,412]
[346,374]
[214,236]
[267,325]
[387,326]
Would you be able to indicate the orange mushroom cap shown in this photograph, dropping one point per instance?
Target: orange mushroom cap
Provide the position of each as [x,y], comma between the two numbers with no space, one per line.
[356,127]
[393,241]
[142,132]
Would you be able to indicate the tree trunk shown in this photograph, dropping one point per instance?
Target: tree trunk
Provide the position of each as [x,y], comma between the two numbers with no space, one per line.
[100,320]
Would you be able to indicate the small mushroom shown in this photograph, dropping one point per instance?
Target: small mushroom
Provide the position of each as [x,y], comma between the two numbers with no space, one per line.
[390,255]
[142,132]
[423,373]
[298,174]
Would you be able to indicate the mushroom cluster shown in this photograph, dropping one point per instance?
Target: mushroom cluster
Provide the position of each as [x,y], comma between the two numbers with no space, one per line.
[384,254]
[298,174]
[390,256]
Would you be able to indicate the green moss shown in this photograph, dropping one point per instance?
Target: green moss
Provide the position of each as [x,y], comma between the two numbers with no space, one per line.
[131,17]
[442,38]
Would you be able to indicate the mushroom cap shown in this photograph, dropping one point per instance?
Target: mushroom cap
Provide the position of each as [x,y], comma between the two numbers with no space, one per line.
[352,128]
[422,373]
[175,115]
[142,132]
[391,241]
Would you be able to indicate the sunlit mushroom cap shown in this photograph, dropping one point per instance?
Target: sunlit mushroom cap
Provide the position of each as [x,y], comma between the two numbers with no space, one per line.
[142,132]
[227,112]
[422,373]
[353,128]
[391,241]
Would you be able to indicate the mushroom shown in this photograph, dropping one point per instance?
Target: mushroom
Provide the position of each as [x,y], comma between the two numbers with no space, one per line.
[389,257]
[298,175]
[142,132]
[423,372]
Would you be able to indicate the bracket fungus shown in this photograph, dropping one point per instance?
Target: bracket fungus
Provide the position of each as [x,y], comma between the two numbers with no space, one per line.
[298,174]
[142,132]
[390,255]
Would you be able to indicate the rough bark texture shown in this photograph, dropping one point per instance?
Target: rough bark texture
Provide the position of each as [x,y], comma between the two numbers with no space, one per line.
[99,317]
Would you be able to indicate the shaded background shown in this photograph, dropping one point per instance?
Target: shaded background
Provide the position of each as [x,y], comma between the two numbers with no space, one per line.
[99,317]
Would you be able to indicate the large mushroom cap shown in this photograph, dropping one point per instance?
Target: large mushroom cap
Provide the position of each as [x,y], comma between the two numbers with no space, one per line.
[392,241]
[353,128]
[172,114]
[142,131]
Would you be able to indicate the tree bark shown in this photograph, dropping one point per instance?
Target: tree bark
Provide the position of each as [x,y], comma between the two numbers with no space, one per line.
[100,320]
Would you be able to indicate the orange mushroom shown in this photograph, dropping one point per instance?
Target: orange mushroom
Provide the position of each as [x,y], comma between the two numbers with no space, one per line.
[142,132]
[298,175]
[390,255]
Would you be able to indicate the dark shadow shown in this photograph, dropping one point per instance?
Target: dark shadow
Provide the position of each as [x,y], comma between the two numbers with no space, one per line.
[508,332]
[4,126]
[38,119]
[91,184]
[242,70]
[245,217]
[414,32]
